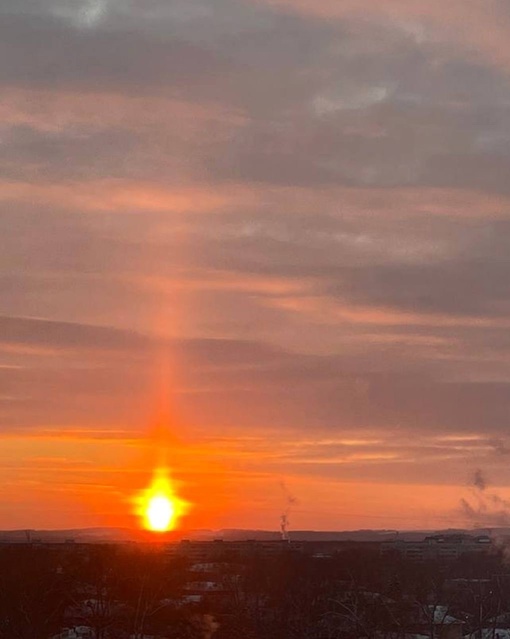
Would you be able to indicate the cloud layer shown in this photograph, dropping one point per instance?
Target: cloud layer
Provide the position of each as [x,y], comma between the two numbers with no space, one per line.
[290,217]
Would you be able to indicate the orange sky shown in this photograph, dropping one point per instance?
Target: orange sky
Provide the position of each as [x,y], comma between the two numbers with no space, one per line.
[95,490]
[264,243]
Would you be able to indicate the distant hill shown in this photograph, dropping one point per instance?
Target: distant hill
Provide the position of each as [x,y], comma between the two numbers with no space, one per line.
[124,535]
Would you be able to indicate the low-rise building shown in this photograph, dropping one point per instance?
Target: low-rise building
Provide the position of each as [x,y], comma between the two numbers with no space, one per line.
[438,547]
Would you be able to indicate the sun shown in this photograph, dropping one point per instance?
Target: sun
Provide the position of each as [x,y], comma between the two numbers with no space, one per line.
[158,506]
[160,513]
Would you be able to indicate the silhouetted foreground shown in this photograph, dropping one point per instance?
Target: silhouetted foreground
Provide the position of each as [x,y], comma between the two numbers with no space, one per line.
[249,590]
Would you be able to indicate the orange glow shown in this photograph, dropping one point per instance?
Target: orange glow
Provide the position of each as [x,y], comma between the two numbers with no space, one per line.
[158,506]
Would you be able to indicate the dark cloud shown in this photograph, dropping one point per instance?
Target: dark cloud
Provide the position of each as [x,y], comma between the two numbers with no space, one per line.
[198,57]
[476,288]
[29,154]
[356,104]
[282,389]
[45,52]
[65,335]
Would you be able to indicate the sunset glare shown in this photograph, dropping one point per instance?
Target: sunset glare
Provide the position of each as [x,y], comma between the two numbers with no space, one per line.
[158,506]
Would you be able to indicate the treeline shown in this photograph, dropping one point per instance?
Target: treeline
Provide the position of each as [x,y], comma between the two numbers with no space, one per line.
[134,592]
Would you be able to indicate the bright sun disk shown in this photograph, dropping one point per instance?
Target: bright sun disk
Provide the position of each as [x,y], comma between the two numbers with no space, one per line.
[158,506]
[160,513]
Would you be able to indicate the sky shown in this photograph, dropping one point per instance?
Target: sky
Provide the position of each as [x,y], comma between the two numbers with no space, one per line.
[264,243]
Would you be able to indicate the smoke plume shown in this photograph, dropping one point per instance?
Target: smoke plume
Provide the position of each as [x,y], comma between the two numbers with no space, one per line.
[485,507]
[284,517]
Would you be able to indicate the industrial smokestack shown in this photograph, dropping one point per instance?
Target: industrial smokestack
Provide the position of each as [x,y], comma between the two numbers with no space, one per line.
[284,518]
[284,523]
